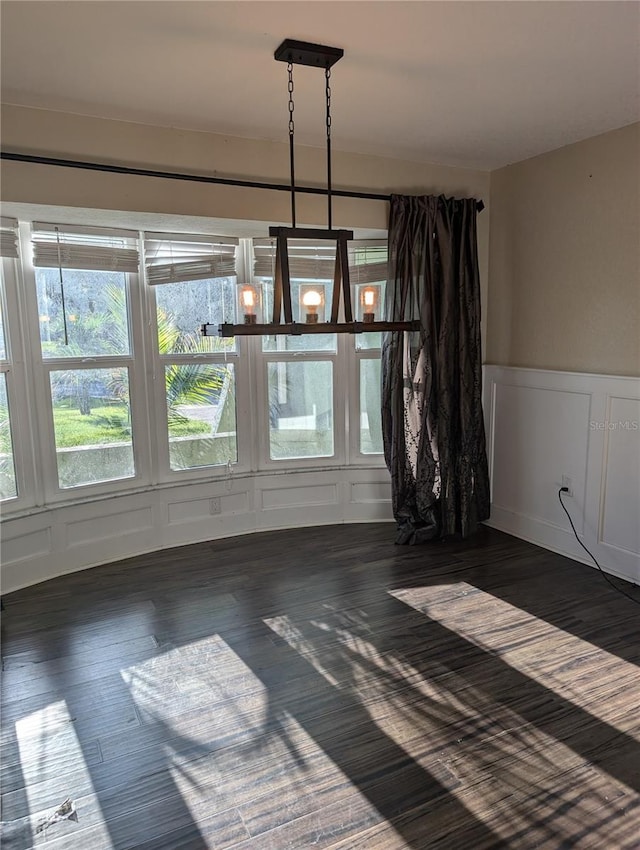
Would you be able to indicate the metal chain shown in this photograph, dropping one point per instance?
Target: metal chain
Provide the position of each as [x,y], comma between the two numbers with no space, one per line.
[291,105]
[327,75]
[291,146]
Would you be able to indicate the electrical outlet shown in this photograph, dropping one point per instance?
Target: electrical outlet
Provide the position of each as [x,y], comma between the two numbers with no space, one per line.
[215,505]
[568,483]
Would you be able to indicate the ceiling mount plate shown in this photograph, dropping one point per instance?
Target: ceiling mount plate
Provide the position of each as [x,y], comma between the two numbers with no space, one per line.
[305,53]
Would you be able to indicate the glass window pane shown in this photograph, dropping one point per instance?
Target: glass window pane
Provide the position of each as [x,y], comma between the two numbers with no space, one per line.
[92,423]
[183,307]
[367,341]
[8,488]
[370,414]
[94,307]
[300,409]
[311,342]
[201,412]
[3,350]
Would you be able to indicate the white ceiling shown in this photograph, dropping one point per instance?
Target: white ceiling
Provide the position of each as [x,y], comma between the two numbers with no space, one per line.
[478,84]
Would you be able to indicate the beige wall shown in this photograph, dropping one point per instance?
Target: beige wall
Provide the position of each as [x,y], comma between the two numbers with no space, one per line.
[564,282]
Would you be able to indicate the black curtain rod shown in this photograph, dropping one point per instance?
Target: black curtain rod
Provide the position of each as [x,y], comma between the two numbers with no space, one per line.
[192,178]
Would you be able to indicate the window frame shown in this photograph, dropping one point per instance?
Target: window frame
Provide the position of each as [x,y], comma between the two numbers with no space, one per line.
[357,457]
[134,361]
[16,367]
[340,379]
[264,358]
[239,358]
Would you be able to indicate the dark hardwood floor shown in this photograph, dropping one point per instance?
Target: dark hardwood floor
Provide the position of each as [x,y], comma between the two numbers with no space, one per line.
[323,688]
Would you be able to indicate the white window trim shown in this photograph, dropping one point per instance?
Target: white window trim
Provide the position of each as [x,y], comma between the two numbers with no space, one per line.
[356,457]
[19,379]
[162,472]
[134,361]
[263,359]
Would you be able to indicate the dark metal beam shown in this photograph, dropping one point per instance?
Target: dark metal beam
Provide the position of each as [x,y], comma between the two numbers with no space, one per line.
[299,328]
[311,233]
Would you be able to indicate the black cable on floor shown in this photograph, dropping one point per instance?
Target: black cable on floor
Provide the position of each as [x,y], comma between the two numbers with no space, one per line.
[614,586]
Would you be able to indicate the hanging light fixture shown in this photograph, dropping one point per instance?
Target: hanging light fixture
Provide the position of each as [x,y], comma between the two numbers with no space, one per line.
[312,302]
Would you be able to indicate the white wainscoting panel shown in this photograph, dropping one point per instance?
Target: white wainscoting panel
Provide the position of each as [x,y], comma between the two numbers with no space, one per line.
[45,543]
[539,436]
[365,492]
[107,525]
[621,491]
[303,496]
[543,425]
[22,547]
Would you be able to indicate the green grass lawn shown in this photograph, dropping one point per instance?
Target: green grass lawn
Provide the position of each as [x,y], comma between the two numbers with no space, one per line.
[106,424]
[109,423]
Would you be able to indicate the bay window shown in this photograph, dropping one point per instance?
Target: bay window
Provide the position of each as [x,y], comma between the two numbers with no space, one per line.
[107,384]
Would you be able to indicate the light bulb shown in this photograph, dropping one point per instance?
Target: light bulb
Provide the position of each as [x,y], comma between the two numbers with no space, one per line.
[312,298]
[369,298]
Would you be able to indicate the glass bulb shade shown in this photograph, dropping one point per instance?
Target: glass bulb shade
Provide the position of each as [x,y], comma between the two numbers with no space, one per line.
[312,298]
[249,301]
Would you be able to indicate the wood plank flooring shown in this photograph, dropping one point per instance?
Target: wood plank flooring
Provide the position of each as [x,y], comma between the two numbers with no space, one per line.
[323,688]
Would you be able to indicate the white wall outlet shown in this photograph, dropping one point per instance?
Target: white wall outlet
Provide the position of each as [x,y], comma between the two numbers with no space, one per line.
[568,483]
[215,506]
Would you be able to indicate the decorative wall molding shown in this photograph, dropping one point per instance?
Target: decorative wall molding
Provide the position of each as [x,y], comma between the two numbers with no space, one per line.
[542,425]
[48,543]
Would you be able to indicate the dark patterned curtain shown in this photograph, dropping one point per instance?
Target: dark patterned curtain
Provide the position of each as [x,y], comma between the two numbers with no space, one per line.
[434,441]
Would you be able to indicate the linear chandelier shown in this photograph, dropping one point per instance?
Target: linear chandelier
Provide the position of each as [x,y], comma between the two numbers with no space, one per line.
[311,297]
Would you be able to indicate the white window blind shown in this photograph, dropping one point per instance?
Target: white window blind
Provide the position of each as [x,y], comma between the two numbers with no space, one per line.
[313,261]
[8,237]
[308,260]
[91,248]
[368,261]
[175,257]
